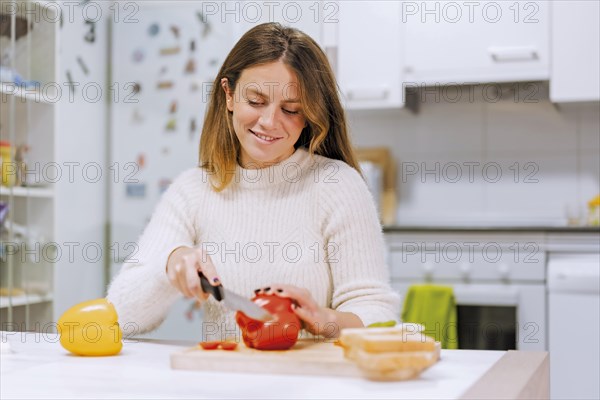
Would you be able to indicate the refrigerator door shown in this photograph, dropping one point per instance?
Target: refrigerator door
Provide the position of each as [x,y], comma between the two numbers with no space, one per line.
[163,67]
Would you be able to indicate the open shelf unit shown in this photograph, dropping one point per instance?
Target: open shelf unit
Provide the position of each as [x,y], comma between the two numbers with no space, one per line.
[28,120]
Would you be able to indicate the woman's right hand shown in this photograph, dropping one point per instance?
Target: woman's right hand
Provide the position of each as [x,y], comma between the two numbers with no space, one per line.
[182,269]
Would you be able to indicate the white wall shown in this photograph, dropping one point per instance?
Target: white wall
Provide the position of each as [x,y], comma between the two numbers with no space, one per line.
[558,145]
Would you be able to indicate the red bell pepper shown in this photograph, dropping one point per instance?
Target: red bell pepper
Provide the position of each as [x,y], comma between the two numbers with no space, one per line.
[278,334]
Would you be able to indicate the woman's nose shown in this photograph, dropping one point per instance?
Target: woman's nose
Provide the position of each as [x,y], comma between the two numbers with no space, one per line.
[268,118]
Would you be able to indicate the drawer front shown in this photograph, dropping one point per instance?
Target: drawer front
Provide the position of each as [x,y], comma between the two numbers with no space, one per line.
[465,261]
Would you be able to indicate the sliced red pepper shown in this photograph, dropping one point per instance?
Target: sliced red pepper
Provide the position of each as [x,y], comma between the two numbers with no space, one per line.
[215,345]
[210,345]
[228,345]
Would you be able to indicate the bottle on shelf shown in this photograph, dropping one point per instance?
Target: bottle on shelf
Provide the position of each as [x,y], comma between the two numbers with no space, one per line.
[8,166]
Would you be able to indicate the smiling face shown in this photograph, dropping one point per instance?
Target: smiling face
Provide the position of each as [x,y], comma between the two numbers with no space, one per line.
[267,113]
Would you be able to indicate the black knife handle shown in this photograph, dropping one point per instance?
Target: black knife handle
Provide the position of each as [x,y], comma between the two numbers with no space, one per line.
[216,291]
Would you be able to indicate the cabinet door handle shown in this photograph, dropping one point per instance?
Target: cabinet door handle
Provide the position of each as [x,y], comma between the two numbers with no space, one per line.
[368,94]
[513,54]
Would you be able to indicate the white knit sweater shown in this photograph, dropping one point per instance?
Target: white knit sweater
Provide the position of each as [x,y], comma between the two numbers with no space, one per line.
[307,221]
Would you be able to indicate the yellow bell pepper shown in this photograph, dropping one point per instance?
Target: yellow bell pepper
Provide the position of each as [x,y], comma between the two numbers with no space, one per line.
[91,328]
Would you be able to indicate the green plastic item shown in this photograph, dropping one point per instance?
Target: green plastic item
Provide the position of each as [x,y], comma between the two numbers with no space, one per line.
[382,324]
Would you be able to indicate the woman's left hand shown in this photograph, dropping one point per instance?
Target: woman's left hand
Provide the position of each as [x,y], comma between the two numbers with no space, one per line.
[316,319]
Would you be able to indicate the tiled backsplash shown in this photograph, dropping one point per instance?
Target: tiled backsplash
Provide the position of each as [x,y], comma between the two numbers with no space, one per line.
[479,161]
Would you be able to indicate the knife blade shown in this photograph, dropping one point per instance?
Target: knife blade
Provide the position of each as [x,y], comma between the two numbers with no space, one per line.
[234,301]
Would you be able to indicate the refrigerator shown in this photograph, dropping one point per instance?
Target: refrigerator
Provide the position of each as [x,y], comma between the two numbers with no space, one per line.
[164,58]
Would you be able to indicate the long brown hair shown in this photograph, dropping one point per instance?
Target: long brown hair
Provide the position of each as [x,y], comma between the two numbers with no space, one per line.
[326,132]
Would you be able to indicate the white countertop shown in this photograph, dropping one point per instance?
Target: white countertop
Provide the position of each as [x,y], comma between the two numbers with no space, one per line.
[38,367]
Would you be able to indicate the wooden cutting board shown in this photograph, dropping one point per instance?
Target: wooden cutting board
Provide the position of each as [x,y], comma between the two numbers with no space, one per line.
[307,357]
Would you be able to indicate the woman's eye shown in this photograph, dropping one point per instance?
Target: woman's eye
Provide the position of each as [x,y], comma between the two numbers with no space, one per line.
[290,112]
[254,103]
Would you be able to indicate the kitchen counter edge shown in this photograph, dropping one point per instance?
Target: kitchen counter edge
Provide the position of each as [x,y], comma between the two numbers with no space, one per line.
[537,229]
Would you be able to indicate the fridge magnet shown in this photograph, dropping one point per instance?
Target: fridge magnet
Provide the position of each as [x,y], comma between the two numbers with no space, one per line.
[194,87]
[173,107]
[84,67]
[175,30]
[213,62]
[190,67]
[90,36]
[192,127]
[192,46]
[138,56]
[136,88]
[171,125]
[137,118]
[70,82]
[141,160]
[165,85]
[206,28]
[135,190]
[169,51]
[153,29]
[163,184]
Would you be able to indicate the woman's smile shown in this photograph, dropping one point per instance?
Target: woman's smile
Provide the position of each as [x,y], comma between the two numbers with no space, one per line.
[262,138]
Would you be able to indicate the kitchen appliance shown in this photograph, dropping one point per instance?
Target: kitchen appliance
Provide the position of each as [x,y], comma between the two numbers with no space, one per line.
[155,131]
[574,325]
[499,286]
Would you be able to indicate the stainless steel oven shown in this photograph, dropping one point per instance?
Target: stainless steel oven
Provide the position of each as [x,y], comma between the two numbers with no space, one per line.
[498,282]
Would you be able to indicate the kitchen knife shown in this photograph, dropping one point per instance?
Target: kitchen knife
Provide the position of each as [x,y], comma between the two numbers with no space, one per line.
[234,301]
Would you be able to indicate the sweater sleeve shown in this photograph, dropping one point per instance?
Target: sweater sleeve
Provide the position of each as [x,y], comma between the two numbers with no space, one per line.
[141,292]
[355,248]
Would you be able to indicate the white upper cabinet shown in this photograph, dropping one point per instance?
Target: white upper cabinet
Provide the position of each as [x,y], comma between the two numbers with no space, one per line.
[471,42]
[368,62]
[362,40]
[304,15]
[575,69]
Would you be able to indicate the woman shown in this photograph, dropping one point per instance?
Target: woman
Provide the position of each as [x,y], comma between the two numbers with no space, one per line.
[277,205]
